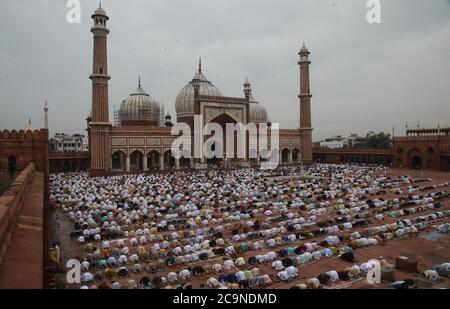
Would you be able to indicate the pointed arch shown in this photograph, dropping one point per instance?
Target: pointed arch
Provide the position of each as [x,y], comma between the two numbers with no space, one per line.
[285,155]
[296,155]
[137,161]
[169,160]
[153,160]
[415,159]
[119,160]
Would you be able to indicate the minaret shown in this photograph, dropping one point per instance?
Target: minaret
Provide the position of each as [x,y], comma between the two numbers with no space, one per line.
[305,106]
[247,90]
[46,115]
[29,128]
[100,125]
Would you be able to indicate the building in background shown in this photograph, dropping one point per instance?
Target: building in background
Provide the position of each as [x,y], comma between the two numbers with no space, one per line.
[352,141]
[62,143]
[372,140]
[334,142]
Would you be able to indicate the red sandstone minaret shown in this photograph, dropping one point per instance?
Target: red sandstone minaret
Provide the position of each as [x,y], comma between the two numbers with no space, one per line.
[305,106]
[99,124]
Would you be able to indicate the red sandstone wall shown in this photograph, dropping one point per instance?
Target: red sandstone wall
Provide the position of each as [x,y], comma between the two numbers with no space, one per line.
[26,147]
[352,155]
[431,149]
[11,203]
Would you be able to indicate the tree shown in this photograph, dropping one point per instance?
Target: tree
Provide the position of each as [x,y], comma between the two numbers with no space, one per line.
[378,141]
[375,141]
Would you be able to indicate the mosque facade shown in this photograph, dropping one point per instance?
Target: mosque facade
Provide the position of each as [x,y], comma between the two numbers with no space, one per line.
[141,141]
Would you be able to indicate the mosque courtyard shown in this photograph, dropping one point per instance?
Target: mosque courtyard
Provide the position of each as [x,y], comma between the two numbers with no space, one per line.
[249,228]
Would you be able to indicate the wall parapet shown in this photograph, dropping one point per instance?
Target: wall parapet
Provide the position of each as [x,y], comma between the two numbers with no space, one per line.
[30,135]
[422,138]
[356,151]
[11,203]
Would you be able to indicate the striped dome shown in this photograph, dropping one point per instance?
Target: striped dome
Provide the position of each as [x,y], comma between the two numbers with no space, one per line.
[184,104]
[139,107]
[258,113]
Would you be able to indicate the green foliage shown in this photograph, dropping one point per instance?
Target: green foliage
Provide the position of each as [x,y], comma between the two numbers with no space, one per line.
[377,141]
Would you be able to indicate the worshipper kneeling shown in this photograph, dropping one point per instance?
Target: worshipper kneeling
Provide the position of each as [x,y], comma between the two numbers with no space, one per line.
[405,284]
[313,284]
[283,275]
[292,271]
[431,275]
[122,272]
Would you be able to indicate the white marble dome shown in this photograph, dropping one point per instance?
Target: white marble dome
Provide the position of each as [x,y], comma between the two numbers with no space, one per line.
[100,11]
[184,103]
[139,107]
[258,113]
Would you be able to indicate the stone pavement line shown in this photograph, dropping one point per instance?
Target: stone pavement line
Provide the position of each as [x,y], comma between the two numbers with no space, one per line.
[22,265]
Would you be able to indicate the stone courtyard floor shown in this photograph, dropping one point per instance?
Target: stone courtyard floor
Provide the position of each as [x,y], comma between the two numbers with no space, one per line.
[428,253]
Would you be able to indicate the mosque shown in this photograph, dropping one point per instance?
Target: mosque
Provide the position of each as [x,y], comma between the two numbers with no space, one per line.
[141,140]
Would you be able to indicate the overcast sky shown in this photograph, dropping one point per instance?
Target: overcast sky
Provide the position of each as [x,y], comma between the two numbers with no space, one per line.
[363,77]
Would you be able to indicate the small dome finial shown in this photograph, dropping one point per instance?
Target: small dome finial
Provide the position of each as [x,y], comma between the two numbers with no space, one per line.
[100,4]
[200,65]
[139,83]
[304,49]
[247,83]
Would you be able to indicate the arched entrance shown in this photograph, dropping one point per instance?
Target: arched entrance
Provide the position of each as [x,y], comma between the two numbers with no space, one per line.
[136,161]
[296,155]
[285,156]
[218,158]
[119,161]
[416,163]
[415,159]
[169,160]
[153,160]
[12,163]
